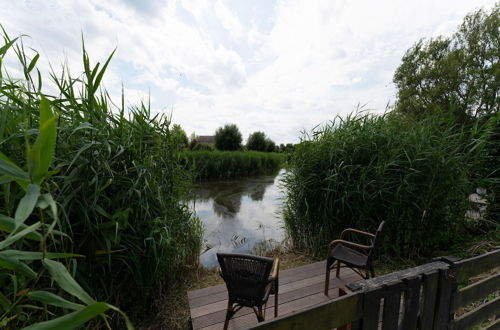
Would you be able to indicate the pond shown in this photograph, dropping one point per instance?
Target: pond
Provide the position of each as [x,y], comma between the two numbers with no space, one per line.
[240,215]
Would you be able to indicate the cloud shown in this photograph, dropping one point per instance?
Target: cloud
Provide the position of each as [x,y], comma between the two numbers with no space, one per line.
[278,67]
[228,20]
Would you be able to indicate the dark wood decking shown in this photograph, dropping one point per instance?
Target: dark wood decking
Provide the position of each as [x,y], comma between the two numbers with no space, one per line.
[300,287]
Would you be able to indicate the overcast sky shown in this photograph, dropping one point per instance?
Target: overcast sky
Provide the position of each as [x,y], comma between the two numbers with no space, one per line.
[275,66]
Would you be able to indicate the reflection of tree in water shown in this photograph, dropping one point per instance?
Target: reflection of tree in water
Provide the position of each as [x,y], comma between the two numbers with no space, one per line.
[227,195]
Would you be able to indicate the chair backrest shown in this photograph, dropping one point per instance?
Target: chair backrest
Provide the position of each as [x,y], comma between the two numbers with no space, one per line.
[376,240]
[246,276]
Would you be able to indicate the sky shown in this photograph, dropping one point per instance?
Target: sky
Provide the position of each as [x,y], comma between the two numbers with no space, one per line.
[281,67]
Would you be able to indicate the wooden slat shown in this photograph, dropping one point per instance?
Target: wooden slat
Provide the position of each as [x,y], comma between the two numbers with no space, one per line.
[286,276]
[283,298]
[250,320]
[477,291]
[442,311]
[468,268]
[477,315]
[391,311]
[283,289]
[371,309]
[396,276]
[430,294]
[326,316]
[285,286]
[412,299]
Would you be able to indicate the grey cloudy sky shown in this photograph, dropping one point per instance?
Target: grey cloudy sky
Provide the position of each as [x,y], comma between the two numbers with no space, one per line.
[275,66]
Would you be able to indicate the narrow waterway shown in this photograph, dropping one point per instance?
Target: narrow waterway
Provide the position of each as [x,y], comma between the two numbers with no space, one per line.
[240,215]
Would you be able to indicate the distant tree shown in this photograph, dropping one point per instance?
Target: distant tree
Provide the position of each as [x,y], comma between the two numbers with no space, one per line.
[257,141]
[228,138]
[457,75]
[270,145]
[179,136]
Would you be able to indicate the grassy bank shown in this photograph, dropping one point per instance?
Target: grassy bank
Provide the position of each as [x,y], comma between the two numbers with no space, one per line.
[414,174]
[117,188]
[231,164]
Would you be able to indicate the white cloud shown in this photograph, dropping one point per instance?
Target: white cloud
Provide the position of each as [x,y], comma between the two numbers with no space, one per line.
[276,67]
[228,20]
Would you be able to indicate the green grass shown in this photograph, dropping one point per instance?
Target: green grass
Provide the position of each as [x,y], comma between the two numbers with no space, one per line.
[116,180]
[359,171]
[232,164]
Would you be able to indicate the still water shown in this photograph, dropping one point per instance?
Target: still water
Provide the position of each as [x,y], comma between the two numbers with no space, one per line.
[240,215]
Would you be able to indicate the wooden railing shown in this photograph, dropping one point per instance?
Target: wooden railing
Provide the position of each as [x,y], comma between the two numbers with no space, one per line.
[424,297]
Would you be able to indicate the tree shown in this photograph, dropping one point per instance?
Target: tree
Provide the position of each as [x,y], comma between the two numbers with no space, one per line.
[270,145]
[228,138]
[457,75]
[179,136]
[257,141]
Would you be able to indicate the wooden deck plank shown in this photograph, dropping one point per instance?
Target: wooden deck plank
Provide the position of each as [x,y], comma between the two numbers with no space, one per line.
[221,302]
[197,298]
[243,322]
[286,276]
[218,315]
[300,287]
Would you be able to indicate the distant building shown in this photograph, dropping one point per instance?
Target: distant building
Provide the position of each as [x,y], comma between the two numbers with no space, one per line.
[208,139]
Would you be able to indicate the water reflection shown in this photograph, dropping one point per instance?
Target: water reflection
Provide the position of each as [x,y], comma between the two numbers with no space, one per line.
[239,215]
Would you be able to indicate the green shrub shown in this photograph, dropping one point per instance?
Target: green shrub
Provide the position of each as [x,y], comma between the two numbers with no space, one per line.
[228,138]
[232,164]
[358,171]
[203,147]
[117,182]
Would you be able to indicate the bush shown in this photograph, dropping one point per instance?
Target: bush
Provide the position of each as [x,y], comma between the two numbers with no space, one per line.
[118,184]
[415,175]
[225,164]
[228,138]
[203,147]
[257,141]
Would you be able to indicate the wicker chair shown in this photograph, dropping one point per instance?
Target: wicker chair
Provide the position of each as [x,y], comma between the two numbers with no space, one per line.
[360,258]
[249,283]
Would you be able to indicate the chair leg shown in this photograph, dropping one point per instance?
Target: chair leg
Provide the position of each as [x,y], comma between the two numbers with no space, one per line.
[276,304]
[228,314]
[260,316]
[327,281]
[372,271]
[338,268]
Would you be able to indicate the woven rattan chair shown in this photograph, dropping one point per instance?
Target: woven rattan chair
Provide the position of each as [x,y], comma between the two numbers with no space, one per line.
[358,257]
[249,283]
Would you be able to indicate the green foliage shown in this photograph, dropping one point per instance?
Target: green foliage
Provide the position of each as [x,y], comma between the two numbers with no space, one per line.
[117,181]
[232,164]
[203,147]
[179,136]
[228,138]
[459,75]
[270,145]
[25,275]
[257,141]
[414,174]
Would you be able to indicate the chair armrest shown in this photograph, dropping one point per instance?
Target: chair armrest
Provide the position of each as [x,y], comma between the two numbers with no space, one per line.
[276,268]
[352,230]
[356,245]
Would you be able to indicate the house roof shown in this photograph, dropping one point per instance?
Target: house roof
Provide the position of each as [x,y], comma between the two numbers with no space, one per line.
[206,139]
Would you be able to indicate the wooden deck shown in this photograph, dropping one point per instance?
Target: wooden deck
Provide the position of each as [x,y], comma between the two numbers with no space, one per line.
[299,288]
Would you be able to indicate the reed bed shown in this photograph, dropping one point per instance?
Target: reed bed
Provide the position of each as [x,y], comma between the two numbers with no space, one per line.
[115,178]
[358,171]
[232,164]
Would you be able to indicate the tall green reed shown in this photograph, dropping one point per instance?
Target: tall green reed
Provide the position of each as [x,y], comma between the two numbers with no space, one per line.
[361,170]
[231,164]
[116,180]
